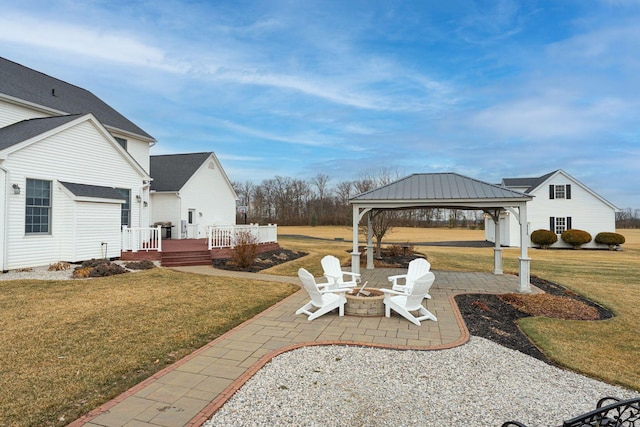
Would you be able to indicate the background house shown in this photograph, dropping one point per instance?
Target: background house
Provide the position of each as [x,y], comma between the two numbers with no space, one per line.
[191,191]
[560,202]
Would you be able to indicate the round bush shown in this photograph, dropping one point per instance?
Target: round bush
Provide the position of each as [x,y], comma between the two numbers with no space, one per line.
[610,239]
[544,238]
[575,238]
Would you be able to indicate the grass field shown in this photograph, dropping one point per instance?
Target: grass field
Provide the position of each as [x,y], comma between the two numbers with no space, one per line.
[608,350]
[68,346]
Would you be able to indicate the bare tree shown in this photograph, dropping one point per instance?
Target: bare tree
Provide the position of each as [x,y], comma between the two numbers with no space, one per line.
[342,195]
[320,182]
[245,193]
[382,221]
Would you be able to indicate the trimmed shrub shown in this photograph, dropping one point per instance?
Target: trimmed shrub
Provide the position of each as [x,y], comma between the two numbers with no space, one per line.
[245,250]
[544,238]
[575,238]
[610,239]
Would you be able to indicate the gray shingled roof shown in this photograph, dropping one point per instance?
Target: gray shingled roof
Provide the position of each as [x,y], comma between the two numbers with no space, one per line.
[439,187]
[96,191]
[172,171]
[26,129]
[24,83]
[531,183]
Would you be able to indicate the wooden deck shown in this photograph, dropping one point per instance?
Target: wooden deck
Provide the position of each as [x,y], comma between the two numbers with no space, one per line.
[185,252]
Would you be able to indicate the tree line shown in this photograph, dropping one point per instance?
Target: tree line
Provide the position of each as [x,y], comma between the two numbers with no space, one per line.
[628,218]
[289,201]
[316,201]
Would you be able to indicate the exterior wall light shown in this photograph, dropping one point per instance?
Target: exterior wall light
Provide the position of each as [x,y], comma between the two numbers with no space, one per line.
[16,189]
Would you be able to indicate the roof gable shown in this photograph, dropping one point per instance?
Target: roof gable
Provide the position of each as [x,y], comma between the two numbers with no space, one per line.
[22,134]
[27,129]
[172,171]
[543,180]
[22,83]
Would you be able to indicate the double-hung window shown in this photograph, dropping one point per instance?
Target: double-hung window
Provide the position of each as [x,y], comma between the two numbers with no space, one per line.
[38,207]
[559,224]
[125,210]
[560,191]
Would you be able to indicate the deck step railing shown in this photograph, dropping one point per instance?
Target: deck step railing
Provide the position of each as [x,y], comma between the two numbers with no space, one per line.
[226,236]
[141,239]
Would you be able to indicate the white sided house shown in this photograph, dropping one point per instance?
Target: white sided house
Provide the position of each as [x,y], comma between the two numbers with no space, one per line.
[190,193]
[73,171]
[560,202]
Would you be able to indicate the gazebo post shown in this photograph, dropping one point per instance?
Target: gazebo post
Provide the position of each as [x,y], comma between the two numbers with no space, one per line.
[355,255]
[524,276]
[497,250]
[369,242]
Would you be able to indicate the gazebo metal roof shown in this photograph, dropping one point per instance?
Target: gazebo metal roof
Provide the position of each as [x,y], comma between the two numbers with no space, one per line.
[439,190]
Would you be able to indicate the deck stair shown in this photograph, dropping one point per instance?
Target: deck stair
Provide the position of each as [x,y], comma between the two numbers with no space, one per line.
[185,258]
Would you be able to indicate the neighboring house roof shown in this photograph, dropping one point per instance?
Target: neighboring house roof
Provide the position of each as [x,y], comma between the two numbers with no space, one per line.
[93,191]
[441,188]
[27,129]
[531,183]
[24,84]
[172,171]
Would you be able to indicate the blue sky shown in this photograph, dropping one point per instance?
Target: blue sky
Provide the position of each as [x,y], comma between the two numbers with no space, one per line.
[487,89]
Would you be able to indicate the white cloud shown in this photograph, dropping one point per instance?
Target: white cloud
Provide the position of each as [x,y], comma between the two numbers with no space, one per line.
[111,46]
[546,118]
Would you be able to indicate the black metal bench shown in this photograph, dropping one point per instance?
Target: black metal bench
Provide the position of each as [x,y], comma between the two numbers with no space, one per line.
[609,412]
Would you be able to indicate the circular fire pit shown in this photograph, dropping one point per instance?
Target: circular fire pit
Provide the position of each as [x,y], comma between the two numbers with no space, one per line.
[363,305]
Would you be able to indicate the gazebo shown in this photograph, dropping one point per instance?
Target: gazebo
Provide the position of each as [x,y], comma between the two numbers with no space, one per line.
[445,190]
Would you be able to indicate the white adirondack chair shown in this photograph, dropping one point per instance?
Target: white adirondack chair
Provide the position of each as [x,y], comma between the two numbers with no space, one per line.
[324,300]
[334,274]
[417,268]
[403,303]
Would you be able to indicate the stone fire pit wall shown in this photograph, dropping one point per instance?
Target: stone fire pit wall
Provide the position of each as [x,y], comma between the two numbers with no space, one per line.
[366,306]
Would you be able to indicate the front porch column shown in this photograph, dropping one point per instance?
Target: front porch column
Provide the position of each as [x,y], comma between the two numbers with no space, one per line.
[524,285]
[355,255]
[497,250]
[369,243]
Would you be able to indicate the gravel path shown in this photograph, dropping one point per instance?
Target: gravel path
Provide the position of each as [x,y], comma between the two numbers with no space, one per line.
[38,273]
[478,384]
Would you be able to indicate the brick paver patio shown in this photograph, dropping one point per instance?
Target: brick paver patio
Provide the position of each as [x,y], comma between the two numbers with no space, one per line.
[188,392]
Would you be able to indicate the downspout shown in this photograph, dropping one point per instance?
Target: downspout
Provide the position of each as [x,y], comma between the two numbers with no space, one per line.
[5,225]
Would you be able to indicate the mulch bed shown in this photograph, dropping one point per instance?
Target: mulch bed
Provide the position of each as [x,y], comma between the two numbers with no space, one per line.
[491,317]
[262,261]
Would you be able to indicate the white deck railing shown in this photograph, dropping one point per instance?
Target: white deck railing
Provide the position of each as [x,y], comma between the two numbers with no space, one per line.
[141,239]
[225,236]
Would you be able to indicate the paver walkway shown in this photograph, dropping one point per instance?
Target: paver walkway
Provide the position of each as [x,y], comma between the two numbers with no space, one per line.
[188,392]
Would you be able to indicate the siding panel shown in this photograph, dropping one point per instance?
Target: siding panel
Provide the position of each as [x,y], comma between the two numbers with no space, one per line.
[79,154]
